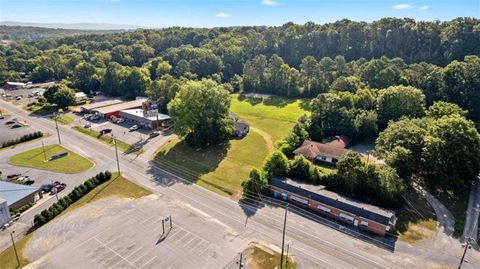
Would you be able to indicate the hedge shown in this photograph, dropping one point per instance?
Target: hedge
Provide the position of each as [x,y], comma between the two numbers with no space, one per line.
[22,139]
[21,209]
[77,193]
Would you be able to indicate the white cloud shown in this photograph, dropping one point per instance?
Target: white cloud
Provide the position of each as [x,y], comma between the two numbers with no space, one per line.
[270,3]
[222,15]
[423,8]
[402,6]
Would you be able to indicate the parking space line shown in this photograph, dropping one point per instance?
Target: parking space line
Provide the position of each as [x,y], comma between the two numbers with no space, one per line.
[81,244]
[139,257]
[188,242]
[145,221]
[153,258]
[132,253]
[115,252]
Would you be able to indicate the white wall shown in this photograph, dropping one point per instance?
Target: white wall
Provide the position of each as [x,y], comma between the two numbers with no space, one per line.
[4,213]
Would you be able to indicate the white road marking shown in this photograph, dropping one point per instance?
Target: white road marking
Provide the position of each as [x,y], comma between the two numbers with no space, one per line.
[153,258]
[100,242]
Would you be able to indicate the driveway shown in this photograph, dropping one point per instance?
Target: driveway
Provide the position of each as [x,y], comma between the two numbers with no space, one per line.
[444,216]
[470,229]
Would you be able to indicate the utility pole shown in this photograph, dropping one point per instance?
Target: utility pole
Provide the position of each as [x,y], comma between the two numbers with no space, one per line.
[286,261]
[58,131]
[15,248]
[56,192]
[464,252]
[116,153]
[44,154]
[240,264]
[283,236]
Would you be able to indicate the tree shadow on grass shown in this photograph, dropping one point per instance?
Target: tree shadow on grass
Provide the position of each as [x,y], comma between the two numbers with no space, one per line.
[188,163]
[103,187]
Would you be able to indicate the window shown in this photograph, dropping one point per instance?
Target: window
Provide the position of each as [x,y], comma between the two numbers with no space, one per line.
[364,223]
[299,200]
[346,217]
[324,158]
[324,209]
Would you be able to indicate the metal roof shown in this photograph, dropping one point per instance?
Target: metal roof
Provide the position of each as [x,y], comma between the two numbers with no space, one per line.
[15,192]
[101,104]
[121,106]
[333,199]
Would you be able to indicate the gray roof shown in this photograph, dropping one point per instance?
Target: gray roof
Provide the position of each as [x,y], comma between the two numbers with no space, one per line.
[15,192]
[333,199]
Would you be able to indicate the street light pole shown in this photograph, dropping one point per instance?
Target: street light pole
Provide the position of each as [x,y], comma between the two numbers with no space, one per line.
[283,236]
[14,248]
[464,252]
[116,153]
[286,261]
[56,127]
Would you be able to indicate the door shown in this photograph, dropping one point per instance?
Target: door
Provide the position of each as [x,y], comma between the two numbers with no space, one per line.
[355,223]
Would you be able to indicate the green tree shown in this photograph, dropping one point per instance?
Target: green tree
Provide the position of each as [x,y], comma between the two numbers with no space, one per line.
[163,91]
[201,112]
[60,94]
[399,101]
[349,84]
[276,165]
[301,168]
[84,77]
[440,109]
[255,184]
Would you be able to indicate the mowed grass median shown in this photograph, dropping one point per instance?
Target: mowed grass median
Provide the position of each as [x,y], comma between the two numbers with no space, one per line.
[35,158]
[107,139]
[222,168]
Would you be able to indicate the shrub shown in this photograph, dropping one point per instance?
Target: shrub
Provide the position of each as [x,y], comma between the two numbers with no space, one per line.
[64,202]
[22,139]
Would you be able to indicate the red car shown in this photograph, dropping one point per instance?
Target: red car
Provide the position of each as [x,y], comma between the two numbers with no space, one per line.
[58,188]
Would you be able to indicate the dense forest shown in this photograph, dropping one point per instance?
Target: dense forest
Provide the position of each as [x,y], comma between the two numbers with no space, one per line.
[8,32]
[290,60]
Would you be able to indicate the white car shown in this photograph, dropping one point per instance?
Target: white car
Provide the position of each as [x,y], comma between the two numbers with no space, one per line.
[94,117]
[134,128]
[120,121]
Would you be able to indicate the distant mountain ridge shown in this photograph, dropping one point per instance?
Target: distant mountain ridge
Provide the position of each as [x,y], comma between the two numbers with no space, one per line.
[74,26]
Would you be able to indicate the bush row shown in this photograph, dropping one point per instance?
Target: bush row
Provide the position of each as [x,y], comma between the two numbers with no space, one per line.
[20,209]
[77,193]
[22,139]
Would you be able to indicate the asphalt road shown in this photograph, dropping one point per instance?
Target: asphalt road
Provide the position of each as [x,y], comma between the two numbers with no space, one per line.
[310,240]
[470,229]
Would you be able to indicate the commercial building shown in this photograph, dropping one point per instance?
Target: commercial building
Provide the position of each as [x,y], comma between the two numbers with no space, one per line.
[18,195]
[147,118]
[88,108]
[4,212]
[329,152]
[80,96]
[316,198]
[114,110]
[11,86]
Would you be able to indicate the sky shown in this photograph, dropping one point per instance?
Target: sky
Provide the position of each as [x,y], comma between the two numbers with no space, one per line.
[210,13]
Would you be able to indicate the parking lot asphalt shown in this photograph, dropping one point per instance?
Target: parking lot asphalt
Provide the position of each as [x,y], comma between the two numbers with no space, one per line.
[7,133]
[114,233]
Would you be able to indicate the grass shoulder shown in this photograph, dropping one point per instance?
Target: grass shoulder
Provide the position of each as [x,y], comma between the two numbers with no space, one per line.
[7,257]
[35,158]
[107,140]
[263,258]
[64,119]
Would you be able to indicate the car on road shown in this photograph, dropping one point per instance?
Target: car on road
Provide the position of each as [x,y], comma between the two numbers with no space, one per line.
[154,134]
[134,128]
[105,131]
[16,126]
[13,176]
[18,98]
[120,121]
[10,122]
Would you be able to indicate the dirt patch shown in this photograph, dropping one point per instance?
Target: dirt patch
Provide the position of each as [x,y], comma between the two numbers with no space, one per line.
[262,257]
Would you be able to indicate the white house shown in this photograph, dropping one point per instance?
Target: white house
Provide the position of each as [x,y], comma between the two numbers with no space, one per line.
[80,96]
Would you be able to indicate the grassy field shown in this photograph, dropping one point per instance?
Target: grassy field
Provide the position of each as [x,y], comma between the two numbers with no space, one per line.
[64,119]
[118,186]
[416,220]
[71,164]
[258,258]
[106,139]
[222,168]
[7,257]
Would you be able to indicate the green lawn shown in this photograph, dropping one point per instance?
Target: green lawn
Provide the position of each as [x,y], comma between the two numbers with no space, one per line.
[71,164]
[64,119]
[222,168]
[106,139]
[118,186]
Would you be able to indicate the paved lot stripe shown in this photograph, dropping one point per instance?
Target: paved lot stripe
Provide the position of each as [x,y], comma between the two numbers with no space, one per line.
[114,252]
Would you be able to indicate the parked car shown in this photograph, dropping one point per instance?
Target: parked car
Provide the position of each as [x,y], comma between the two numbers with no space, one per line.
[13,176]
[94,117]
[120,121]
[18,98]
[154,134]
[16,126]
[29,182]
[88,125]
[58,188]
[10,122]
[134,128]
[106,131]
[2,117]
[23,178]
[46,187]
